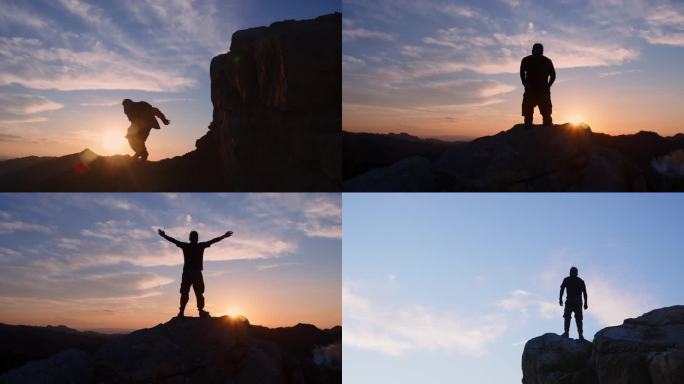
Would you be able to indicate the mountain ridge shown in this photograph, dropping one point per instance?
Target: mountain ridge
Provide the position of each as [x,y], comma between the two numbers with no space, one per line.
[194,350]
[565,157]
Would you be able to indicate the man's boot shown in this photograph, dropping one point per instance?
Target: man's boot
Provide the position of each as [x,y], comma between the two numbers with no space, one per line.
[203,313]
[566,327]
[548,121]
[181,312]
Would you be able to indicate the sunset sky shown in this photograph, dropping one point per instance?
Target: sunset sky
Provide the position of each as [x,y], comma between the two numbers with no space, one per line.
[449,69]
[446,288]
[93,261]
[66,65]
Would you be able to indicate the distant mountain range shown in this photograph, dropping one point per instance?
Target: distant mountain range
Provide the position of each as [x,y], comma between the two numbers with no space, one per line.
[563,157]
[187,350]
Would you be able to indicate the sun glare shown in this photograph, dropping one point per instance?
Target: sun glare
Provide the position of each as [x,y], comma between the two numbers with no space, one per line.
[576,119]
[113,141]
[233,312]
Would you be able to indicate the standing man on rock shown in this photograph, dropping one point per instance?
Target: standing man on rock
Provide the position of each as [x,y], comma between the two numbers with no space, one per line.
[193,255]
[537,75]
[142,117]
[573,302]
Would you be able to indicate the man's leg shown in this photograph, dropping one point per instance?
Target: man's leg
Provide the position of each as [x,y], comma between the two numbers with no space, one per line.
[185,294]
[578,321]
[566,317]
[528,108]
[545,108]
[198,286]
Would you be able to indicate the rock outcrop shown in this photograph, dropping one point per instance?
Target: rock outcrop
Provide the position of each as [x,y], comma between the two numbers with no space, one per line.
[197,350]
[645,350]
[276,125]
[541,158]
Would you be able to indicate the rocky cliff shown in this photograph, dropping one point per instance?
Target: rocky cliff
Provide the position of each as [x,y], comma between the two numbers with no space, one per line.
[645,350]
[554,158]
[276,125]
[194,350]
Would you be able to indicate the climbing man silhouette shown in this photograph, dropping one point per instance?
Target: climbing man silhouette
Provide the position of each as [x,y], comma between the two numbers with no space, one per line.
[537,75]
[193,254]
[142,117]
[573,302]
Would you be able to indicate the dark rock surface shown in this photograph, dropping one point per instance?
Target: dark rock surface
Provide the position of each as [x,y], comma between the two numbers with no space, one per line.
[645,350]
[544,158]
[197,350]
[276,125]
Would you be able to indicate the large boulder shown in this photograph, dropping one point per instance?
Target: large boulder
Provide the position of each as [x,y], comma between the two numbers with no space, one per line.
[645,350]
[648,349]
[413,174]
[551,358]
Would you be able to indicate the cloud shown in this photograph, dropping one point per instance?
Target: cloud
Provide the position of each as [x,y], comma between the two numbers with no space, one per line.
[29,120]
[529,304]
[611,302]
[398,330]
[315,215]
[26,104]
[21,226]
[351,34]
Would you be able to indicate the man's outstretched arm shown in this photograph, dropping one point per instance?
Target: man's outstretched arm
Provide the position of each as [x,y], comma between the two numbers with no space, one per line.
[159,114]
[167,237]
[216,240]
[560,296]
[584,292]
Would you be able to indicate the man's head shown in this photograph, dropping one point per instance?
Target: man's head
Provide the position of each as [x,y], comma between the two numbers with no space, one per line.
[194,237]
[126,101]
[537,49]
[573,271]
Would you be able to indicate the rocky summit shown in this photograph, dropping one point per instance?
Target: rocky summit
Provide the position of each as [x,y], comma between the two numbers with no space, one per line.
[645,350]
[197,350]
[276,121]
[565,157]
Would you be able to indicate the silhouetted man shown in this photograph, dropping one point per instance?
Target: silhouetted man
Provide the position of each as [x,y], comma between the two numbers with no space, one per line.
[573,302]
[537,75]
[193,255]
[142,118]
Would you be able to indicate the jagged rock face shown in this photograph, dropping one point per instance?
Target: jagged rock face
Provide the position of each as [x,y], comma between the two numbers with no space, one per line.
[551,358]
[541,158]
[648,349]
[645,350]
[277,106]
[197,350]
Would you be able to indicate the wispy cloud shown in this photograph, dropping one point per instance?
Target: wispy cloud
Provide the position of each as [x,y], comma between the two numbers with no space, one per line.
[412,328]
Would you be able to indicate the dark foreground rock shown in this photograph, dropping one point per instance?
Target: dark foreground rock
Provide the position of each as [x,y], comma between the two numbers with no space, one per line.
[542,158]
[645,350]
[194,350]
[276,125]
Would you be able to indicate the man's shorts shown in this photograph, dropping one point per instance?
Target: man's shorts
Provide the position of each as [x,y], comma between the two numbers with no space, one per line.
[573,306]
[534,98]
[137,144]
[194,279]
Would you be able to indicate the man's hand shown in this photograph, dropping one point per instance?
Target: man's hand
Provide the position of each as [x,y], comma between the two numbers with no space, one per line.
[166,121]
[161,232]
[228,234]
[560,301]
[586,306]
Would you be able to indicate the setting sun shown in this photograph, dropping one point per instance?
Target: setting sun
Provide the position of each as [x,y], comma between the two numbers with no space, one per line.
[575,119]
[113,141]
[233,312]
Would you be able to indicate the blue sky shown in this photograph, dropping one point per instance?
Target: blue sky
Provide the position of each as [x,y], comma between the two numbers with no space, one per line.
[438,68]
[66,65]
[444,286]
[96,261]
